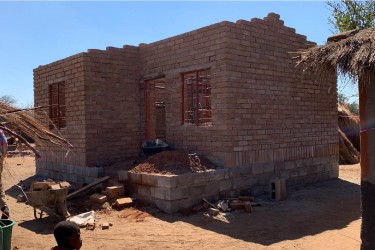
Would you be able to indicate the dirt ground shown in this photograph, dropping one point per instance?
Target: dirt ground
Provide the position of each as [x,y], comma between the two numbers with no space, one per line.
[321,216]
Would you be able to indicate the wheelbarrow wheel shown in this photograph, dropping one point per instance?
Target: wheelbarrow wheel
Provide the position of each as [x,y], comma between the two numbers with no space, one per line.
[35,214]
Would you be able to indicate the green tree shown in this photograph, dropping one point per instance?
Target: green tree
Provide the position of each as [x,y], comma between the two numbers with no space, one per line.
[8,99]
[342,99]
[354,108]
[348,15]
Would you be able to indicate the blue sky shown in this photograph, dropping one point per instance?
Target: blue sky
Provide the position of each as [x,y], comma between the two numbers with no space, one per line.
[37,33]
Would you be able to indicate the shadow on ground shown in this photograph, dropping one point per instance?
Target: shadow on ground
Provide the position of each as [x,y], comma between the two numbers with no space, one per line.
[43,226]
[14,191]
[308,211]
[311,210]
[46,224]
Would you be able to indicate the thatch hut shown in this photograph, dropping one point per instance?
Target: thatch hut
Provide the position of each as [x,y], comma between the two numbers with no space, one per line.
[349,133]
[349,125]
[353,54]
[348,154]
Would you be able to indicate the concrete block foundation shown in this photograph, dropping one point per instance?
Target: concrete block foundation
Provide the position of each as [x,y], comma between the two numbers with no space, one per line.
[172,193]
[72,174]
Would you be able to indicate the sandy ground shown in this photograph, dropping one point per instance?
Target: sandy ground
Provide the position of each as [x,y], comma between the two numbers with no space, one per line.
[321,216]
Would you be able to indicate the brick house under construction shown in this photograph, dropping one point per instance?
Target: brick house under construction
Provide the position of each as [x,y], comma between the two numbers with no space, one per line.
[228,91]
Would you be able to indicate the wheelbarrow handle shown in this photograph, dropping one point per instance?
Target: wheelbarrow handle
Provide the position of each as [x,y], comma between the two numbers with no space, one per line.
[23,192]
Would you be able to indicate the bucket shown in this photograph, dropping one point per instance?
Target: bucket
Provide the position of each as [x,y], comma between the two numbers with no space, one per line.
[6,228]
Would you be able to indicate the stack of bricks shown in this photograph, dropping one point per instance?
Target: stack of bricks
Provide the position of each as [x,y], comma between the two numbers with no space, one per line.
[46,185]
[114,191]
[111,192]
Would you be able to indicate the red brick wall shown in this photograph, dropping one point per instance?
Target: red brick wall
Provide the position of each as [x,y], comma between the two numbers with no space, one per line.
[199,49]
[112,104]
[264,109]
[102,99]
[277,113]
[71,71]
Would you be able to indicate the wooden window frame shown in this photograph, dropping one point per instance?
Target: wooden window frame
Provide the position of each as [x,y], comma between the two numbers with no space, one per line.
[57,108]
[196,98]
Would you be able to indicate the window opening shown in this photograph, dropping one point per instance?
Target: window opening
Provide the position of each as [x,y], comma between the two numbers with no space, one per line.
[57,105]
[197,98]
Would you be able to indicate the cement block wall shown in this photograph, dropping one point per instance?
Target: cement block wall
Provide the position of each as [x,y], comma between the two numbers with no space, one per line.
[72,173]
[176,192]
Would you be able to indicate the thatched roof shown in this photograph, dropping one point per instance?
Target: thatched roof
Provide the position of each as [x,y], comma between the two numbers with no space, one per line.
[28,122]
[353,52]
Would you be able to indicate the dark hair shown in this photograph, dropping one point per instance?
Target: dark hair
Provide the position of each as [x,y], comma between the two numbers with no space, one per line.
[63,230]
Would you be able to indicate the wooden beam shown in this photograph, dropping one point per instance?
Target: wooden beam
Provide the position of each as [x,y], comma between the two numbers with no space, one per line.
[23,140]
[87,187]
[26,109]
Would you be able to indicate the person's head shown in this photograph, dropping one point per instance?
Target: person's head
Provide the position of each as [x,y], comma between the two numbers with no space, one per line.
[68,235]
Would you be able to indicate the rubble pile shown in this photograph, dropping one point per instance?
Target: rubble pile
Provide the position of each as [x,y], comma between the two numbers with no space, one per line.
[224,207]
[174,162]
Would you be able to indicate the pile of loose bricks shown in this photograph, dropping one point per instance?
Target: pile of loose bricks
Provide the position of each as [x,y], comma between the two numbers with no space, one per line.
[49,184]
[115,193]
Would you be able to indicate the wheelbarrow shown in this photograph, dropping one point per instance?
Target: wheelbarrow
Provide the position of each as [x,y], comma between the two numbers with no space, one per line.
[50,201]
[151,147]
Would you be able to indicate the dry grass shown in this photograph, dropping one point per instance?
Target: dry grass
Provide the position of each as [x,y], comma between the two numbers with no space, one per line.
[349,125]
[27,121]
[352,52]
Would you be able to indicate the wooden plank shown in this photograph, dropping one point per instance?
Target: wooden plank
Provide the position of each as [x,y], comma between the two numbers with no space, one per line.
[209,203]
[88,187]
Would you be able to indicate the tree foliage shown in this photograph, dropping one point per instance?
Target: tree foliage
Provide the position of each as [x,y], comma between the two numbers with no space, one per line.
[352,106]
[349,15]
[8,99]
[341,98]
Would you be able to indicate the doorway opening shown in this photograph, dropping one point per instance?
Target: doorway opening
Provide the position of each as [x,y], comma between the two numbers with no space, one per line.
[155,109]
